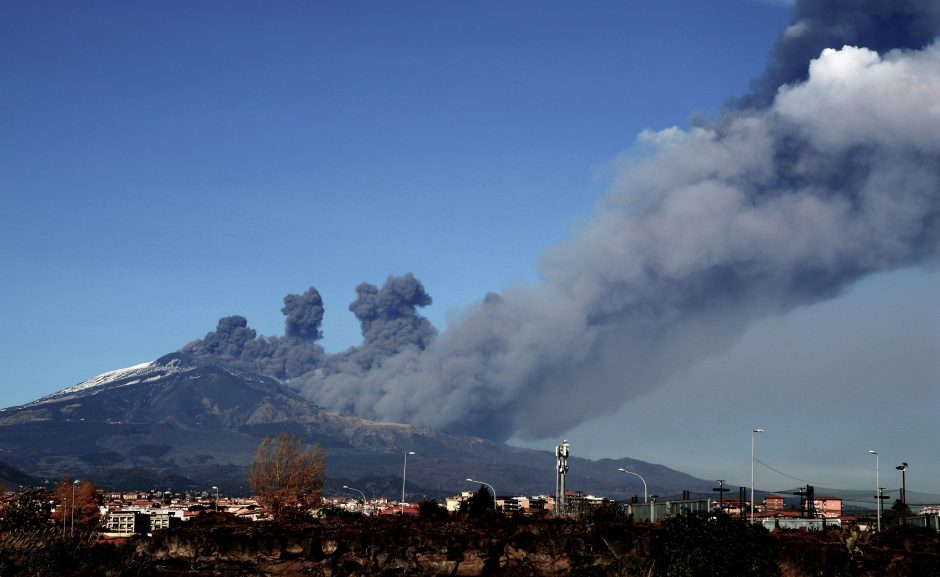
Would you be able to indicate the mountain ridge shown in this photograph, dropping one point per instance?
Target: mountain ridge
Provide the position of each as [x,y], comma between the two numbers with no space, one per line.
[193,423]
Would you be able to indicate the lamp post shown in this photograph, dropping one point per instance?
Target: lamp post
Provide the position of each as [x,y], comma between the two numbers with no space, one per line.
[72,530]
[216,489]
[903,468]
[488,485]
[404,473]
[757,430]
[645,493]
[877,488]
[348,488]
[65,516]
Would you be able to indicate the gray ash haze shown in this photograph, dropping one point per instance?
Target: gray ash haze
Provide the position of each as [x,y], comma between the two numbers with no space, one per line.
[827,171]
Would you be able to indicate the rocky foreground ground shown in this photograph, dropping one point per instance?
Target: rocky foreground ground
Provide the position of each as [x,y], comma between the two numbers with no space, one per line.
[503,546]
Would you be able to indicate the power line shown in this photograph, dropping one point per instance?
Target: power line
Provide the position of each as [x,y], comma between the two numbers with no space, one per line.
[779,472]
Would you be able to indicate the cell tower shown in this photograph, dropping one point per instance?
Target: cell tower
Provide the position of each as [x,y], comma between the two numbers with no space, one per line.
[561,454]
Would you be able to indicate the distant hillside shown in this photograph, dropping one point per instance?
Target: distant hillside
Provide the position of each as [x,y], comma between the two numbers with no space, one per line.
[174,423]
[12,478]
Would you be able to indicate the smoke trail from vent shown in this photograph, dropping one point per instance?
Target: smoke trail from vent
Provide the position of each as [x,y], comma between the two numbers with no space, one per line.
[826,172]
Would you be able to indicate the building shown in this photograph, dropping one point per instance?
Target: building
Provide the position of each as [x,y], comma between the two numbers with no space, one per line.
[927,520]
[508,504]
[164,521]
[127,523]
[453,503]
[797,523]
[773,503]
[828,507]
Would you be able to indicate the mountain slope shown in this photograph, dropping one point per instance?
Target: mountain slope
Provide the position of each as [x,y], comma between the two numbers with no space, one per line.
[176,422]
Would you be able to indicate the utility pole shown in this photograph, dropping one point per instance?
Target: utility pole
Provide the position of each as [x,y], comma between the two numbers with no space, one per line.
[721,494]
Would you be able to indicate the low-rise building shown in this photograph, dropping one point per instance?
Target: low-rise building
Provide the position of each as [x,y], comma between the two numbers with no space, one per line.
[453,503]
[127,523]
[164,521]
[828,507]
[773,503]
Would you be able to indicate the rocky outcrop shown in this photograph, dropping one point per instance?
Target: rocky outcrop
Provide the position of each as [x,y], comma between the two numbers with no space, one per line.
[215,545]
[385,546]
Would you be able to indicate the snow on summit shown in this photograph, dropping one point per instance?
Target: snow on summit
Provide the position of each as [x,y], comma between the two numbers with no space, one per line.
[143,372]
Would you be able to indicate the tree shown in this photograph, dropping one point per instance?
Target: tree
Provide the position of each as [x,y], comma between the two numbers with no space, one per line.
[27,511]
[479,503]
[896,514]
[287,478]
[81,502]
[431,509]
[713,544]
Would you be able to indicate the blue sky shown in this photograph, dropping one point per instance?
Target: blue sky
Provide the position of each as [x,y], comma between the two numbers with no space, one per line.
[163,165]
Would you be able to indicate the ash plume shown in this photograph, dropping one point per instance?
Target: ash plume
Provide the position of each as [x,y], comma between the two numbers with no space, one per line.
[388,316]
[304,314]
[819,24]
[236,345]
[828,172]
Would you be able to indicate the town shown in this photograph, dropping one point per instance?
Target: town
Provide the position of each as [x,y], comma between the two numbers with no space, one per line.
[126,513]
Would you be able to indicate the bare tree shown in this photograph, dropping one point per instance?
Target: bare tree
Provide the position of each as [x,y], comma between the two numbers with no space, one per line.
[286,477]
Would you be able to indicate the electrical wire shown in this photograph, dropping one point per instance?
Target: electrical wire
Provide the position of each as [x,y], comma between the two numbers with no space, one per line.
[779,472]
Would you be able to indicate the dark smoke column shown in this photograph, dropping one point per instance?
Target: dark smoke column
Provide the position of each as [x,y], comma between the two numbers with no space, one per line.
[304,314]
[389,318]
[234,345]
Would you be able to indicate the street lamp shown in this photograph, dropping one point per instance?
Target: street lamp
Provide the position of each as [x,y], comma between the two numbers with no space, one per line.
[348,488]
[488,485]
[877,488]
[404,473]
[903,468]
[72,531]
[216,489]
[645,494]
[65,516]
[757,430]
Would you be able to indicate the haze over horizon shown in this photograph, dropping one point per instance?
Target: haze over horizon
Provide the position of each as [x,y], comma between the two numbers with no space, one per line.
[660,298]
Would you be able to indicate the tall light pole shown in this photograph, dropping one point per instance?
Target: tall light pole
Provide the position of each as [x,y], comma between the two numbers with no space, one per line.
[65,513]
[877,488]
[216,489]
[72,531]
[757,430]
[356,490]
[645,493]
[491,489]
[903,468]
[348,488]
[404,473]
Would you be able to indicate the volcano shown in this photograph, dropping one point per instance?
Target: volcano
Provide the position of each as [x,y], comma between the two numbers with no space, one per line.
[180,423]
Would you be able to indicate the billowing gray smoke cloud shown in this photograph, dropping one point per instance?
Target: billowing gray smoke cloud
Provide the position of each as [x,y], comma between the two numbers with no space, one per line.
[390,324]
[389,319]
[879,25]
[704,232]
[304,314]
[236,345]
[827,172]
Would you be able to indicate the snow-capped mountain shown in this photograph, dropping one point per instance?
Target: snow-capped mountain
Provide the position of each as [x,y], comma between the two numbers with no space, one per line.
[138,374]
[175,422]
